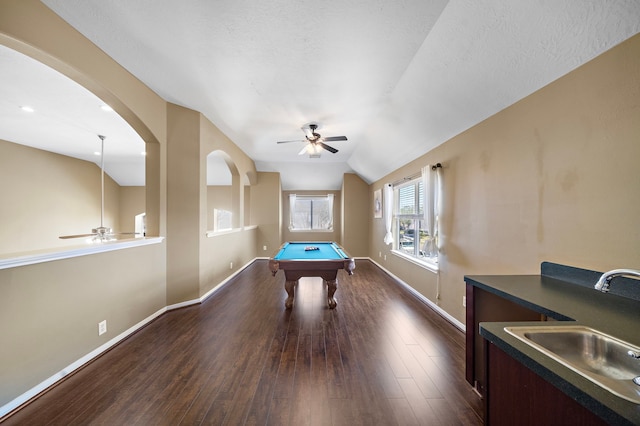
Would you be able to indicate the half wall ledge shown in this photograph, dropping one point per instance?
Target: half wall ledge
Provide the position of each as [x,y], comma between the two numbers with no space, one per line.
[30,258]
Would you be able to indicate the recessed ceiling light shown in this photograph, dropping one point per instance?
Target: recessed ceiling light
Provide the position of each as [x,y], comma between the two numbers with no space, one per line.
[96,153]
[27,108]
[106,107]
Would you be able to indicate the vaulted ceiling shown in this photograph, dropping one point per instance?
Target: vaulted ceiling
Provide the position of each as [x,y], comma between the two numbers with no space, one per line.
[397,78]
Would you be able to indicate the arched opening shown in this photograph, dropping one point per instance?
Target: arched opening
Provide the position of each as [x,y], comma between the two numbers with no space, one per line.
[219,193]
[51,159]
[224,210]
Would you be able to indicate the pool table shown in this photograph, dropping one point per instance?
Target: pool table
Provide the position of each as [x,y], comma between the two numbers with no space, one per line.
[311,259]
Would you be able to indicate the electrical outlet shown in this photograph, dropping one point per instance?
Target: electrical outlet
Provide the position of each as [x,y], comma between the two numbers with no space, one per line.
[102,327]
[230,265]
[464,301]
[379,254]
[385,257]
[264,248]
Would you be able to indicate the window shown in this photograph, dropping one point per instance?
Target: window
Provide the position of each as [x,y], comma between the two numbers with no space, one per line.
[221,220]
[410,232]
[415,218]
[311,212]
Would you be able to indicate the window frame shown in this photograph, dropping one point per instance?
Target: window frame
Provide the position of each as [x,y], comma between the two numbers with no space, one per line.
[328,198]
[419,224]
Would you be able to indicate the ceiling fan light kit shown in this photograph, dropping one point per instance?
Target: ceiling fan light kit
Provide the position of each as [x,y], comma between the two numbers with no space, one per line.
[315,141]
[101,234]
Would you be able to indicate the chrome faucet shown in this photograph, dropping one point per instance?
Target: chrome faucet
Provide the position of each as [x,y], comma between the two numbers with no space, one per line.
[605,280]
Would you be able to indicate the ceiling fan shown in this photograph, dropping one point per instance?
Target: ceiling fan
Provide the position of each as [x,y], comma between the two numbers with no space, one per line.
[316,142]
[101,233]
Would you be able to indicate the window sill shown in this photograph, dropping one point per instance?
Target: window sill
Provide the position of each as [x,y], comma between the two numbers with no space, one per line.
[41,256]
[326,231]
[426,264]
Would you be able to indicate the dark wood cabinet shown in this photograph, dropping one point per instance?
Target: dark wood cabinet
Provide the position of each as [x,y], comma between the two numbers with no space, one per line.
[519,386]
[515,395]
[483,306]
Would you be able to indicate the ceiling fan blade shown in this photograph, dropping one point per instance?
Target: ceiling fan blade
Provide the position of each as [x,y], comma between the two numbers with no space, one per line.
[335,138]
[304,150]
[299,140]
[328,148]
[66,237]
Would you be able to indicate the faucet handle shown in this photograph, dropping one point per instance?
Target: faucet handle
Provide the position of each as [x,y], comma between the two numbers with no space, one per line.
[634,354]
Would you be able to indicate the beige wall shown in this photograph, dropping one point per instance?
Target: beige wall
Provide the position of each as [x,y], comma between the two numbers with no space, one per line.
[186,208]
[218,197]
[46,195]
[224,254]
[316,235]
[132,203]
[247,203]
[554,177]
[195,262]
[356,209]
[49,312]
[266,212]
[29,27]
[66,299]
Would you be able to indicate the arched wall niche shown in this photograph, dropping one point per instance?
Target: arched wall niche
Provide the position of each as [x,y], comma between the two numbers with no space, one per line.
[224,182]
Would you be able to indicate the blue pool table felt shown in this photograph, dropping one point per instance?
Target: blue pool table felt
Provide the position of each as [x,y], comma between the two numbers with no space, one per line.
[295,251]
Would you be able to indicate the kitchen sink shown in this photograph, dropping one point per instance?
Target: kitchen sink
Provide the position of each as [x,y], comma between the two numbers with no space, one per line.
[605,360]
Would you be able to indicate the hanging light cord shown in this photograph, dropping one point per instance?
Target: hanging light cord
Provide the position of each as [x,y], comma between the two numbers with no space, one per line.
[102,138]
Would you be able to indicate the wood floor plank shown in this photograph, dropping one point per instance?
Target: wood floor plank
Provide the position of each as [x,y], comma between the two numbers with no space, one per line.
[422,410]
[402,412]
[381,357]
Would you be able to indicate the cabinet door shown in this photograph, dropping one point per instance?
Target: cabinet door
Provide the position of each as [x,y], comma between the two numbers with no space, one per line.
[516,395]
[485,306]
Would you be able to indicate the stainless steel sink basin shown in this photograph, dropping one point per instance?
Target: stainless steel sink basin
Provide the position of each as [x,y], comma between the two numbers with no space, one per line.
[603,359]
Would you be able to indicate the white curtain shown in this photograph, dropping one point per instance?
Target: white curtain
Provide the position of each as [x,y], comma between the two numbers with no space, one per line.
[330,200]
[388,212]
[292,209]
[431,184]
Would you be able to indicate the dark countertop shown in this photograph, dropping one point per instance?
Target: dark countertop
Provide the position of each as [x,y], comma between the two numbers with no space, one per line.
[564,301]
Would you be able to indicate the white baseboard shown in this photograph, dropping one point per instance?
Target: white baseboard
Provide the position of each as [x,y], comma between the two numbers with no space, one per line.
[226,280]
[424,299]
[42,386]
[31,393]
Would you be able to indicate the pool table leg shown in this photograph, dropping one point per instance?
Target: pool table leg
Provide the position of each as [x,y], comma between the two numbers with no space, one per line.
[332,286]
[290,287]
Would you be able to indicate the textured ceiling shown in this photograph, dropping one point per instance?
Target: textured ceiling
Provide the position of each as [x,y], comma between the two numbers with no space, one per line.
[397,78]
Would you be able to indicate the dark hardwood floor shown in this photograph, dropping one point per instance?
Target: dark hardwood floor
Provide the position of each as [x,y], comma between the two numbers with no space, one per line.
[380,358]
